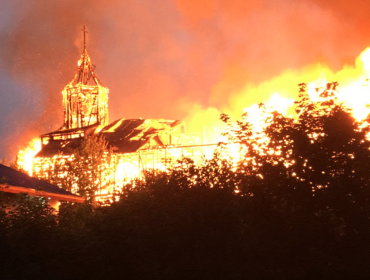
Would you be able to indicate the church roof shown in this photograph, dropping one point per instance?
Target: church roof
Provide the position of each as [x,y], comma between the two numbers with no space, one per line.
[123,136]
[128,136]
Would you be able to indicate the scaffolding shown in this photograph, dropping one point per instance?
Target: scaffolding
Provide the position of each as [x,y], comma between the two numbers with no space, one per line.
[119,169]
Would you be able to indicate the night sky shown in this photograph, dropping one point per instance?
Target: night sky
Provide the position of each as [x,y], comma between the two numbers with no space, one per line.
[184,59]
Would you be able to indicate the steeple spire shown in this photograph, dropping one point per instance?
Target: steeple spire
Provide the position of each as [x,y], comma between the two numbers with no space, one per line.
[85,72]
[84,31]
[85,99]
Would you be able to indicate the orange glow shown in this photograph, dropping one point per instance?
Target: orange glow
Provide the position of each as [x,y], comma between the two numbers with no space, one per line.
[279,93]
[25,156]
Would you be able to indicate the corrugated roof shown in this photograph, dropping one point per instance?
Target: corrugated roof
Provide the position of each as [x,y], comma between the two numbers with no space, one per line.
[12,177]
[123,135]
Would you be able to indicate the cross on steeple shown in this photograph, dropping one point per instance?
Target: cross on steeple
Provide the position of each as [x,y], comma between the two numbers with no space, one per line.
[84,31]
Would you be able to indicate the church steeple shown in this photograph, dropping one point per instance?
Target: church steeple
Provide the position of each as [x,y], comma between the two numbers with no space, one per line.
[85,72]
[85,99]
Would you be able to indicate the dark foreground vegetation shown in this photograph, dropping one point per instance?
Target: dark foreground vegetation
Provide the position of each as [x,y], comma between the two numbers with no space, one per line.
[302,213]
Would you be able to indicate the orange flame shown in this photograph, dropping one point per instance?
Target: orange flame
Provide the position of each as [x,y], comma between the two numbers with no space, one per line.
[353,92]
[25,156]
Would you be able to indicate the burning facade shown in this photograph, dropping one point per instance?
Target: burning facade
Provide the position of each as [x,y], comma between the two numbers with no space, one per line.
[133,145]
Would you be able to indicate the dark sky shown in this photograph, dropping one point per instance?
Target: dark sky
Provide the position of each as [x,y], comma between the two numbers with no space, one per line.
[181,59]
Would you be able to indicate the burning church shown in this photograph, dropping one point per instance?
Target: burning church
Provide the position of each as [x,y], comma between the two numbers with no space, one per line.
[132,145]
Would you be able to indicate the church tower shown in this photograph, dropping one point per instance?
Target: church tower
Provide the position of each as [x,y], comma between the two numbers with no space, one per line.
[85,99]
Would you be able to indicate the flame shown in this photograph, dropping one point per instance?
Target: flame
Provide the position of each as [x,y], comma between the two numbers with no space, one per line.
[353,92]
[126,171]
[279,92]
[25,156]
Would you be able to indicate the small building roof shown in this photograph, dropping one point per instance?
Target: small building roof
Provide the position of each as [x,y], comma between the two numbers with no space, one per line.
[14,181]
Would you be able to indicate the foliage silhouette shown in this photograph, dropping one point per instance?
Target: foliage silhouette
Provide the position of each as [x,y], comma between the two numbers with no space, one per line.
[295,207]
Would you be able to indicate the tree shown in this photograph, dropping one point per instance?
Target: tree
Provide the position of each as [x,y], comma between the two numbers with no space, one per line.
[310,175]
[322,146]
[87,169]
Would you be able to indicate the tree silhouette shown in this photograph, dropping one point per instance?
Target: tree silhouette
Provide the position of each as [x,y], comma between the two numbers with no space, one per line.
[316,180]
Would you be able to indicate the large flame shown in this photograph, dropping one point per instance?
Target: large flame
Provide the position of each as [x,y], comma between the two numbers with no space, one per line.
[25,156]
[353,92]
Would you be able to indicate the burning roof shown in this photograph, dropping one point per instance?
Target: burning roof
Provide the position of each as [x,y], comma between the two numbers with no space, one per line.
[123,135]
[128,136]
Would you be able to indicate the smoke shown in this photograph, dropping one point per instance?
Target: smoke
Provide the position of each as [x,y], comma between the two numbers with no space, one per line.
[167,59]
